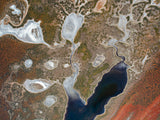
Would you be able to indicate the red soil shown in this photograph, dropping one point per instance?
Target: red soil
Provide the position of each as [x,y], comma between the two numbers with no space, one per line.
[139,112]
[4,107]
[143,101]
[100,5]
[11,51]
[3,6]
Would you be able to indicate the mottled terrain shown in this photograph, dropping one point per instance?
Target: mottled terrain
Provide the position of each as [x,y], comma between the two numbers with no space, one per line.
[132,26]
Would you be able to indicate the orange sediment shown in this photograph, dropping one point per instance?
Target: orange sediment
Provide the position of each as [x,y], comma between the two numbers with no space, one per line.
[99,6]
[139,112]
[143,101]
[11,51]
[152,111]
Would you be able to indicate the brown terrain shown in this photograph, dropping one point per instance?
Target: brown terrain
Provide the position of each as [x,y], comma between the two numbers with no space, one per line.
[141,97]
[3,4]
[12,51]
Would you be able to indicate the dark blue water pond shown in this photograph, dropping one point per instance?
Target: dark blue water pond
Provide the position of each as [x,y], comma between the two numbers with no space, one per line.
[112,84]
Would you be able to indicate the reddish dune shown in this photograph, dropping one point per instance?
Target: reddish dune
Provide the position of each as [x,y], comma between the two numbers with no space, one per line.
[143,101]
[100,5]
[138,112]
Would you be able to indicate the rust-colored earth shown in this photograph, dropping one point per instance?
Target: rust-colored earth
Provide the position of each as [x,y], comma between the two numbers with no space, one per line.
[3,5]
[139,112]
[100,5]
[143,101]
[3,109]
[11,51]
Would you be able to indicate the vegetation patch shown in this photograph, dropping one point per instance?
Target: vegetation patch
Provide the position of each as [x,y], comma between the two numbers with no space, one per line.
[46,16]
[87,77]
[86,54]
[48,33]
[78,35]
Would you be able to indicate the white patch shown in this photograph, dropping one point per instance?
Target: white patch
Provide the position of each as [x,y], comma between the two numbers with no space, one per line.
[56,44]
[66,65]
[122,22]
[31,32]
[137,1]
[40,112]
[77,45]
[130,116]
[72,24]
[16,67]
[51,64]
[49,101]
[70,81]
[144,60]
[122,65]
[37,85]
[112,42]
[28,63]
[15,11]
[122,25]
[98,60]
[153,2]
[61,44]
[74,47]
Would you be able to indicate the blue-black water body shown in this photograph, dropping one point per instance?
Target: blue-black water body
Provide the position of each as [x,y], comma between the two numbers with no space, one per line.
[112,84]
